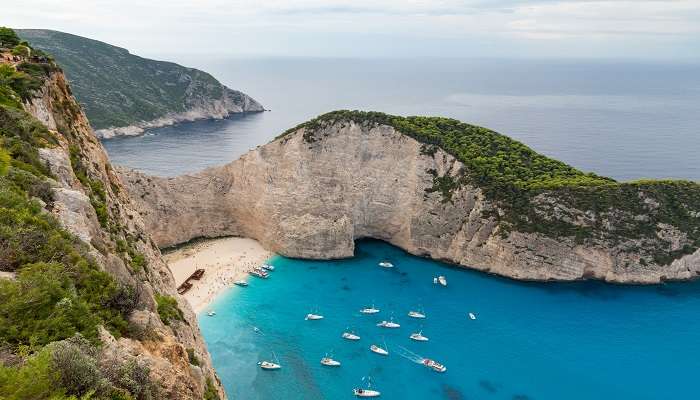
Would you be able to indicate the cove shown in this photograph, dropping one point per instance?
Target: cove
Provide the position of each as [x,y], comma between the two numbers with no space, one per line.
[578,340]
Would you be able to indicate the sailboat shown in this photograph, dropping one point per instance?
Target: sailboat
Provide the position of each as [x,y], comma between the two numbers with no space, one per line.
[270,365]
[381,351]
[368,392]
[418,336]
[389,324]
[328,361]
[369,310]
[417,314]
[350,335]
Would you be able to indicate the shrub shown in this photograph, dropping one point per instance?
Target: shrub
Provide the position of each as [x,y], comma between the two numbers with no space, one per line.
[192,357]
[75,363]
[210,392]
[8,37]
[32,380]
[168,309]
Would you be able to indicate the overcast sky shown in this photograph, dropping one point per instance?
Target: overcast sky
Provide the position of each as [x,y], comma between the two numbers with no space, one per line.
[660,30]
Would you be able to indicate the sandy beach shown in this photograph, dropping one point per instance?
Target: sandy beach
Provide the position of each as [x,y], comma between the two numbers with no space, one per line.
[224,261]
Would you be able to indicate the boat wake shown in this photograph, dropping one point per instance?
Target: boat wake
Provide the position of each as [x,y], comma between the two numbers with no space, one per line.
[409,355]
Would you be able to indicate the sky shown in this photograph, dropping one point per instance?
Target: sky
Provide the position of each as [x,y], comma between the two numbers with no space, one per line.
[610,29]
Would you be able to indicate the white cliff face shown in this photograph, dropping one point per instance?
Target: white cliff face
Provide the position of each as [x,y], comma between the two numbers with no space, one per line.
[232,102]
[161,347]
[313,200]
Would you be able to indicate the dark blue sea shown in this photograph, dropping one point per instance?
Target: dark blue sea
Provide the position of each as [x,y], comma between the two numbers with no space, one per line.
[554,341]
[531,341]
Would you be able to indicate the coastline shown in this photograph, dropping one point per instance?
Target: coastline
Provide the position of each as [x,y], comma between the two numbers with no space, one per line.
[224,261]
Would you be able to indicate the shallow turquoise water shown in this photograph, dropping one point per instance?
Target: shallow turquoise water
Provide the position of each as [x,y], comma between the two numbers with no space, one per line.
[530,341]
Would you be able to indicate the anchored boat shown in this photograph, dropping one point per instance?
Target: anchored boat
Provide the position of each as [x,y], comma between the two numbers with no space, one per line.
[389,324]
[270,365]
[418,337]
[440,280]
[350,335]
[369,310]
[329,361]
[417,314]
[241,283]
[368,392]
[386,264]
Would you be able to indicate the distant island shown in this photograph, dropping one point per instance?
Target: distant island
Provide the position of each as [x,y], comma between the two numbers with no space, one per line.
[123,94]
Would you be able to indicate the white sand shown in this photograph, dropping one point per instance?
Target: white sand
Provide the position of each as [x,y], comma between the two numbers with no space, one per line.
[224,261]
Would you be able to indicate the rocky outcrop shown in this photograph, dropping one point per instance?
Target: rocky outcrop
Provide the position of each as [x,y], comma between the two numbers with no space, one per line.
[232,102]
[313,196]
[163,348]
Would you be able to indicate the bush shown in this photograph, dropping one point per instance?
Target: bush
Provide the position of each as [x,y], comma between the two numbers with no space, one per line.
[32,380]
[8,37]
[168,309]
[192,357]
[75,363]
[133,377]
[210,392]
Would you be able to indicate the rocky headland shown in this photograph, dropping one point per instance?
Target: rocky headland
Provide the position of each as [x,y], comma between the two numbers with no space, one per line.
[431,186]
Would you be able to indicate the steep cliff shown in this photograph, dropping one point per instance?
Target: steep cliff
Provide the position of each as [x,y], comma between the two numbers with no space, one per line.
[348,175]
[123,94]
[87,288]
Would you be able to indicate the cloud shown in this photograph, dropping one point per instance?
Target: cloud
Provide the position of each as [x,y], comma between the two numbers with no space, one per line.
[534,28]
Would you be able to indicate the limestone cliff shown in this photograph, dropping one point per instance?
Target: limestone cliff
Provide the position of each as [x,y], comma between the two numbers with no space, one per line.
[90,201]
[312,192]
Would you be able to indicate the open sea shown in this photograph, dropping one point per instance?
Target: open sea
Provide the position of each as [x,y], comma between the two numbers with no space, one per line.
[531,341]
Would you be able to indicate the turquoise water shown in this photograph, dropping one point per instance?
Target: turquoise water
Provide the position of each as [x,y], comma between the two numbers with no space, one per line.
[530,340]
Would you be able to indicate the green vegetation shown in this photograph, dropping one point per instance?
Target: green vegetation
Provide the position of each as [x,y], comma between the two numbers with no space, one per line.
[514,176]
[168,309]
[69,369]
[119,89]
[8,38]
[210,393]
[192,357]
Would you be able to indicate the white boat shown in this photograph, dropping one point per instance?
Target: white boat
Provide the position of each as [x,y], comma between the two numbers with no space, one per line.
[416,314]
[434,365]
[211,313]
[376,349]
[260,273]
[472,316]
[369,310]
[418,337]
[389,324]
[386,264]
[313,317]
[368,392]
[441,280]
[270,365]
[329,361]
[268,267]
[350,335]
[241,283]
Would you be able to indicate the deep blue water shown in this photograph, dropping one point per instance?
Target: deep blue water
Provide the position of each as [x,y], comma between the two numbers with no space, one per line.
[625,120]
[530,340]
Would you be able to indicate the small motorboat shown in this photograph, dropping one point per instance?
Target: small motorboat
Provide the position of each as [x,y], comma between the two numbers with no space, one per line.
[376,349]
[389,324]
[350,335]
[329,362]
[418,337]
[440,280]
[270,365]
[386,264]
[369,310]
[241,283]
[258,273]
[313,317]
[368,392]
[211,313]
[434,365]
[416,314]
[472,316]
[268,267]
